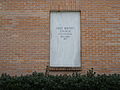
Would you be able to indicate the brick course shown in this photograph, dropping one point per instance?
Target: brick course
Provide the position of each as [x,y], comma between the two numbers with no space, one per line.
[25,32]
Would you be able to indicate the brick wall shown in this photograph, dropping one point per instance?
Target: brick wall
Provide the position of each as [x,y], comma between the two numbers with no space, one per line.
[25,32]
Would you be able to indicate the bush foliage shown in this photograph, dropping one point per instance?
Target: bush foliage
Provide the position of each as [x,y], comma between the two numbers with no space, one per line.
[76,81]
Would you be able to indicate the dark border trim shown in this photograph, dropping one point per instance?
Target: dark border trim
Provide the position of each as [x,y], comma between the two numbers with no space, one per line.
[65,68]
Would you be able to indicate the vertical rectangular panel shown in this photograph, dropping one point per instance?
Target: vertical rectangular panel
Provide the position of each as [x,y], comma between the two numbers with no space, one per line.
[65,39]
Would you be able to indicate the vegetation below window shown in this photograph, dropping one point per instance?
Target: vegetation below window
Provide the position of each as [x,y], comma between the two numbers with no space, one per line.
[76,81]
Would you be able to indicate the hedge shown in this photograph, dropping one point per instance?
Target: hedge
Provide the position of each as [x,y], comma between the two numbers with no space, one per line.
[76,81]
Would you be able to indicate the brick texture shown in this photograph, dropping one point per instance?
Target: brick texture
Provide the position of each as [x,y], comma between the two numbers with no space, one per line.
[25,32]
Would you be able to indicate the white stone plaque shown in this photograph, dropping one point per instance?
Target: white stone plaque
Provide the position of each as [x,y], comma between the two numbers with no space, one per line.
[65,39]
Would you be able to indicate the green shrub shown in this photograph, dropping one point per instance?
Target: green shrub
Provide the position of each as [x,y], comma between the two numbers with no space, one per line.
[76,81]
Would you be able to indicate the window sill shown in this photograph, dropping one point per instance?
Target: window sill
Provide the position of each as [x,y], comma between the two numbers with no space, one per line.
[64,68]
